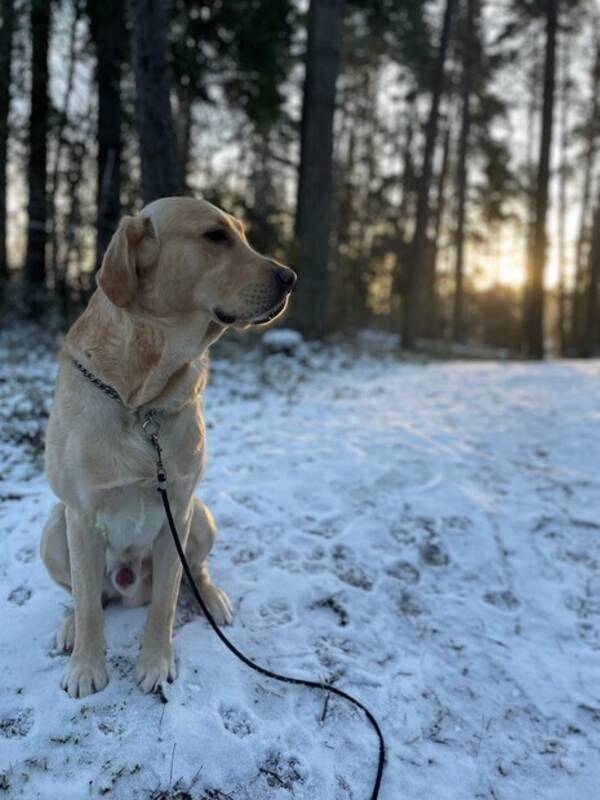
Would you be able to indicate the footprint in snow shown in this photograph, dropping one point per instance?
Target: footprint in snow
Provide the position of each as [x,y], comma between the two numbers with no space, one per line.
[314,561]
[326,528]
[283,772]
[247,554]
[17,724]
[332,604]
[433,554]
[288,560]
[236,721]
[403,571]
[25,555]
[505,601]
[409,605]
[350,571]
[20,595]
[276,613]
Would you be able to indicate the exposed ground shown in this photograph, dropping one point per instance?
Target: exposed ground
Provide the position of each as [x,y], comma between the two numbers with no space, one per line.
[428,536]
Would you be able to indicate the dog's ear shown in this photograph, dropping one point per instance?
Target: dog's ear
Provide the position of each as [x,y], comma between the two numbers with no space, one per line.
[133,247]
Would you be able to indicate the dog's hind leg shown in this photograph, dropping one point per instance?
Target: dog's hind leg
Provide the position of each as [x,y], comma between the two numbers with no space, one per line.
[54,550]
[202,537]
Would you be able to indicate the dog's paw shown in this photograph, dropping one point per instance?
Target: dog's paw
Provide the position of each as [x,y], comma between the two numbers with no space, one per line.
[65,635]
[153,668]
[84,676]
[218,604]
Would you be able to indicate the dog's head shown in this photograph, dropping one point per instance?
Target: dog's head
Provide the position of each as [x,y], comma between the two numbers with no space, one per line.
[181,255]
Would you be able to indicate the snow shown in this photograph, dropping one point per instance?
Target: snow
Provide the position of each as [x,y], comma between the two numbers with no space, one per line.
[426,535]
[284,340]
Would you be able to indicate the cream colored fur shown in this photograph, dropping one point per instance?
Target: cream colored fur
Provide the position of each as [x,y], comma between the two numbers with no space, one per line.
[166,291]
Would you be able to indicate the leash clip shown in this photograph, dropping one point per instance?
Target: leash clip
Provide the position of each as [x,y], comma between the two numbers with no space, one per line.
[151,428]
[151,425]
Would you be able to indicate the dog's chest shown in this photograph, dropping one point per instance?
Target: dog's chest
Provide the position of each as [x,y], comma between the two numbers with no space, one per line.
[119,454]
[134,523]
[130,513]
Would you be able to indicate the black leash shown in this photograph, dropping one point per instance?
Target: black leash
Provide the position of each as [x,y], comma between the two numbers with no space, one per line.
[151,427]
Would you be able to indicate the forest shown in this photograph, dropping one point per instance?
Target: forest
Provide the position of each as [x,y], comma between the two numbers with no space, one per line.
[430,168]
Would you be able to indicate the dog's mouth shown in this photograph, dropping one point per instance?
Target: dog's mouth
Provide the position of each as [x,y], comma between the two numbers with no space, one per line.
[244,322]
[272,314]
[225,319]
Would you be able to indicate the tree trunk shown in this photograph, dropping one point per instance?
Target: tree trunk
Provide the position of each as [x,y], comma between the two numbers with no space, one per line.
[590,329]
[576,316]
[109,34]
[408,115]
[7,17]
[366,213]
[156,131]
[315,182]
[534,312]
[531,125]
[342,213]
[462,177]
[412,307]
[35,261]
[432,321]
[562,193]
[183,132]
[58,269]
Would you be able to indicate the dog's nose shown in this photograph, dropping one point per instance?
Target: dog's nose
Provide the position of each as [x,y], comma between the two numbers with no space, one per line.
[285,278]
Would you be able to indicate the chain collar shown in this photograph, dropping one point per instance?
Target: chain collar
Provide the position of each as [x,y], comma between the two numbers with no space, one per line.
[104,387]
[150,421]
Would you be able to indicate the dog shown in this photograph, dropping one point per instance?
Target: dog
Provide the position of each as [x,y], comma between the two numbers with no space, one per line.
[173,279]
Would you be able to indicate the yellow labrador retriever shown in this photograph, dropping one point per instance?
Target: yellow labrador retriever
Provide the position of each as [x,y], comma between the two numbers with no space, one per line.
[173,279]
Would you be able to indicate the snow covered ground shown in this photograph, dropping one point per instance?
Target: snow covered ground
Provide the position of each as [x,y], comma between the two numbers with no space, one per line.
[428,536]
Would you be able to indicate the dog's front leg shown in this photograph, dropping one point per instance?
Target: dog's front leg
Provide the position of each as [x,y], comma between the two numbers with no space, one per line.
[156,663]
[87,670]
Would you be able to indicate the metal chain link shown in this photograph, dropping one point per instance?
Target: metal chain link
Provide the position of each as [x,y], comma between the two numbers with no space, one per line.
[104,387]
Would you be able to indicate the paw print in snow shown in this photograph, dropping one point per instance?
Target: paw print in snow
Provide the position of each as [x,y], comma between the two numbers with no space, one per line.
[275,613]
[20,595]
[16,725]
[350,571]
[236,721]
[506,601]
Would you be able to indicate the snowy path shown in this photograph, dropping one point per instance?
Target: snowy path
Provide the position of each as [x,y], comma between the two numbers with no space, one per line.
[429,536]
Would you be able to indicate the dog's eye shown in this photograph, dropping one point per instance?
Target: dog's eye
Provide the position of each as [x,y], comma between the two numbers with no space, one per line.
[218,236]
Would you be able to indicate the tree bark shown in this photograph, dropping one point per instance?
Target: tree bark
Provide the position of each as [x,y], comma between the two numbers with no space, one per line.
[183,132]
[412,307]
[109,34]
[576,316]
[37,208]
[7,17]
[562,193]
[432,321]
[462,176]
[534,312]
[58,268]
[315,182]
[590,330]
[160,173]
[408,116]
